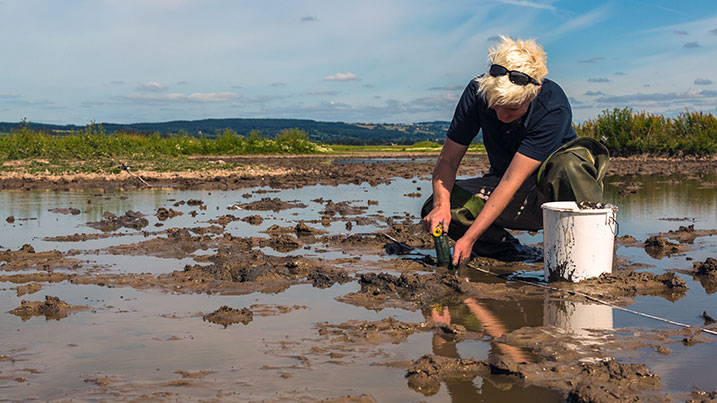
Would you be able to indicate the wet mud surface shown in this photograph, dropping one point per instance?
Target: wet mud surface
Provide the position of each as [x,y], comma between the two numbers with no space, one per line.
[372,262]
[297,171]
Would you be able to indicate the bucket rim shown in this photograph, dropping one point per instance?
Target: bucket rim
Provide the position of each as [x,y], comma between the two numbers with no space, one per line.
[572,207]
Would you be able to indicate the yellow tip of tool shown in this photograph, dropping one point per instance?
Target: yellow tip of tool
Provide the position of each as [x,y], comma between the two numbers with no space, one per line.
[438,230]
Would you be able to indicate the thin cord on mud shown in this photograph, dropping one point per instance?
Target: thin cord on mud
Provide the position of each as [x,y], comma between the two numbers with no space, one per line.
[571,292]
[127,168]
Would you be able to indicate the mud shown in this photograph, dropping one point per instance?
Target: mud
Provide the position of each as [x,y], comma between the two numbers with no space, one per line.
[110,222]
[51,308]
[581,367]
[226,316]
[25,259]
[268,204]
[706,273]
[298,171]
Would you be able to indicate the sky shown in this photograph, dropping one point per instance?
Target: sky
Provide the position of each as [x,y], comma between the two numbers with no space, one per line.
[390,61]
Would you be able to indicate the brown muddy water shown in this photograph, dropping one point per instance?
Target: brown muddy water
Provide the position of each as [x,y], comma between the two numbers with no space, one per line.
[133,323]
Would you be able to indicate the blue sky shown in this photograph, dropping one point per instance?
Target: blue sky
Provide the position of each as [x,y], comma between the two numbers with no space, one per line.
[126,61]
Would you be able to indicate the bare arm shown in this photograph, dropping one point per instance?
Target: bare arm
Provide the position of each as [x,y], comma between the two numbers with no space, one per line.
[520,168]
[444,176]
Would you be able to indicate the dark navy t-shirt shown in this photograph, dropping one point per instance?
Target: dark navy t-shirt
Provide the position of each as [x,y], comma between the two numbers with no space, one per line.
[543,129]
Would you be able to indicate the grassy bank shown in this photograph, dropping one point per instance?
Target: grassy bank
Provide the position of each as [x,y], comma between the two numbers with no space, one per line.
[625,133]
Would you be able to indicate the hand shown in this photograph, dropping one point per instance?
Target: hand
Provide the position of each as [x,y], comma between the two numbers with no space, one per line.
[462,250]
[444,317]
[435,217]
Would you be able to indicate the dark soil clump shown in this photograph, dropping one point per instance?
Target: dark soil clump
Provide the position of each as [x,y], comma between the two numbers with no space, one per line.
[110,222]
[226,316]
[51,308]
[707,268]
[426,373]
[658,246]
[267,203]
[386,330]
[163,213]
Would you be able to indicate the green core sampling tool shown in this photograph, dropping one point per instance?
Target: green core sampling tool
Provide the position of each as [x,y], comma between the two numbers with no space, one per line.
[443,250]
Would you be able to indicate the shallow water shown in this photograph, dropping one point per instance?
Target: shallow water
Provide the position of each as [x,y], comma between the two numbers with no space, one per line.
[131,343]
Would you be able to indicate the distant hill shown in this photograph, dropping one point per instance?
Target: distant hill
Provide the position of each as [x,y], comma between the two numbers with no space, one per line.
[326,132]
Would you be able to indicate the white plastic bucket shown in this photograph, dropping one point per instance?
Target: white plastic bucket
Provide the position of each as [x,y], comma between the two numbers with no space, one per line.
[578,243]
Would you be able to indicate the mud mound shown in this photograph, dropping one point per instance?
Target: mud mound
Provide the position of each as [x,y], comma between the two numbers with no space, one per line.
[426,373]
[706,273]
[70,210]
[658,247]
[179,243]
[343,208]
[388,330]
[110,222]
[688,234]
[630,284]
[51,308]
[163,214]
[284,243]
[253,219]
[609,381]
[226,316]
[77,237]
[708,268]
[269,204]
[273,309]
[25,258]
[237,271]
[408,291]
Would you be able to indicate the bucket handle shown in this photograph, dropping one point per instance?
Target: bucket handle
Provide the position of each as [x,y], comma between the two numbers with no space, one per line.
[612,220]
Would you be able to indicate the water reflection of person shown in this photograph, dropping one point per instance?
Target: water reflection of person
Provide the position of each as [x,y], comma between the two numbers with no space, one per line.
[490,323]
[477,318]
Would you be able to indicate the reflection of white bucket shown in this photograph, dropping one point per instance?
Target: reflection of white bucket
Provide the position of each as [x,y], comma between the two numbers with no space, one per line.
[576,317]
[578,243]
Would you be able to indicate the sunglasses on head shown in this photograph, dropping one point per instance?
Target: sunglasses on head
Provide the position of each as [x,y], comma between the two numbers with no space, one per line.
[515,77]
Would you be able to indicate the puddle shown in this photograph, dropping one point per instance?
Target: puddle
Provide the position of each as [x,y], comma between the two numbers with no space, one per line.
[152,343]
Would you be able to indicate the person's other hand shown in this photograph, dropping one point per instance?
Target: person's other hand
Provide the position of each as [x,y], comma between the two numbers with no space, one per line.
[462,251]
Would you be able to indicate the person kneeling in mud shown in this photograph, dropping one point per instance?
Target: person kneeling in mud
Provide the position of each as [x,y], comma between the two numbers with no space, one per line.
[533,150]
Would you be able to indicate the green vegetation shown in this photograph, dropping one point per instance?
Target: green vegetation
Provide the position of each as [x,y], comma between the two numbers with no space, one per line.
[625,132]
[421,146]
[321,132]
[92,142]
[91,149]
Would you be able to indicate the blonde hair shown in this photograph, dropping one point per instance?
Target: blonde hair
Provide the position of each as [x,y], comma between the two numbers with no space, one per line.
[525,56]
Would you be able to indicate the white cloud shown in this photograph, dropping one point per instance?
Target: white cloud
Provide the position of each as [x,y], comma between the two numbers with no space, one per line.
[660,97]
[580,22]
[530,4]
[195,97]
[598,80]
[151,86]
[342,77]
[9,95]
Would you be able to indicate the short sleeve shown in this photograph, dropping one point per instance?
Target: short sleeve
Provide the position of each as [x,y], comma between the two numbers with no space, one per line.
[466,120]
[546,135]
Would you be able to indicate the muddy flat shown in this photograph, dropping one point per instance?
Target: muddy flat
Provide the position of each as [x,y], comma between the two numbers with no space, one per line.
[309,279]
